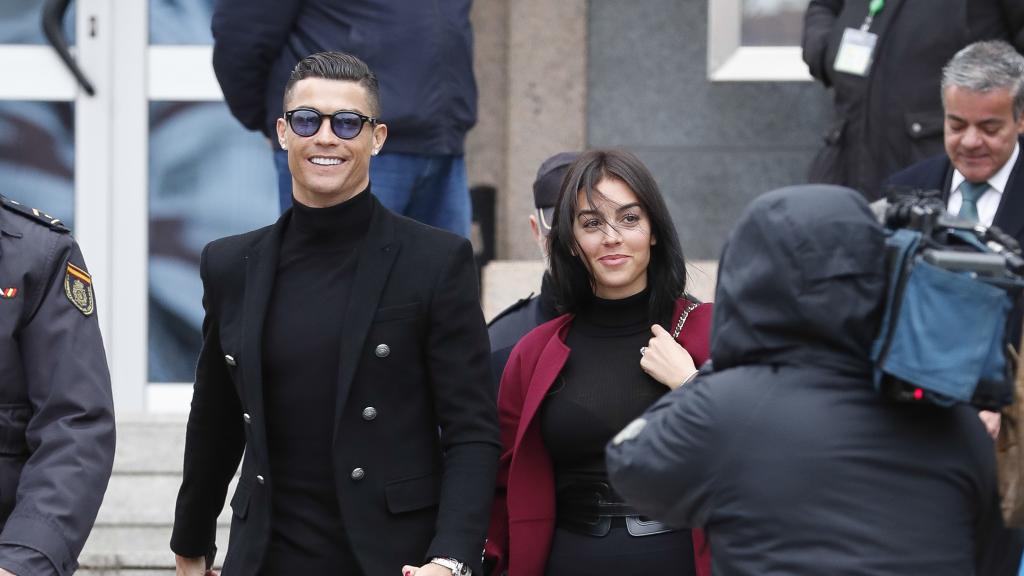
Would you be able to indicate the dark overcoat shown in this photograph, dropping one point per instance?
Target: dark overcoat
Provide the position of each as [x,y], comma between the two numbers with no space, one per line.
[414,481]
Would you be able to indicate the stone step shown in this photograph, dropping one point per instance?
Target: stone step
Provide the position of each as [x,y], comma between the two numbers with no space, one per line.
[126,564]
[140,499]
[150,443]
[132,533]
[133,539]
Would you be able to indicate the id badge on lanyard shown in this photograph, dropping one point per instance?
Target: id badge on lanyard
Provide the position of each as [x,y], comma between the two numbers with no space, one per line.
[857,48]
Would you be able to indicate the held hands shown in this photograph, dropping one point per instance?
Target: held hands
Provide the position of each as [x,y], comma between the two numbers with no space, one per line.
[426,570]
[190,566]
[665,360]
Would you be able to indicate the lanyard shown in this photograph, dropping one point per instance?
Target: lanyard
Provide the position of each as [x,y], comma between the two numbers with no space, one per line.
[873,9]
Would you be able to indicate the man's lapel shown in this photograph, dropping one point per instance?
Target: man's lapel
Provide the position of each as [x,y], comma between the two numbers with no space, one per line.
[947,182]
[260,271]
[376,256]
[1010,215]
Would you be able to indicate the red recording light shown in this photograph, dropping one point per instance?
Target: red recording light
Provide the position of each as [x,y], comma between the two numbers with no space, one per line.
[918,393]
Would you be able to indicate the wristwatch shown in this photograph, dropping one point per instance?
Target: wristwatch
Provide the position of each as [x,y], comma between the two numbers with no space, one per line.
[457,567]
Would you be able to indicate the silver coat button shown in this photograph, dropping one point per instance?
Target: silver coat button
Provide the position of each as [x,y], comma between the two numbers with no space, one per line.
[260,480]
[358,474]
[369,413]
[230,360]
[915,127]
[382,350]
[246,418]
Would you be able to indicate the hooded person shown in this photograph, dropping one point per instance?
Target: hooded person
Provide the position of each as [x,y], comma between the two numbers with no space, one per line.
[785,453]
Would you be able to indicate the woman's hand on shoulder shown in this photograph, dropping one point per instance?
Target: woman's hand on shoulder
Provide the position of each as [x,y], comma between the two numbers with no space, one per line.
[665,360]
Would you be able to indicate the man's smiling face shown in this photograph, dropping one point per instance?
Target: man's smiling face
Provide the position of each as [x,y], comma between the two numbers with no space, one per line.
[327,170]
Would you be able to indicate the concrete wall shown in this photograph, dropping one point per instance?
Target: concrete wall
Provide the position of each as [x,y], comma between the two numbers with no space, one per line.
[531,72]
[711,146]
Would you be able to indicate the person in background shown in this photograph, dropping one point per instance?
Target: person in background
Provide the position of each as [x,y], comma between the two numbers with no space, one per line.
[627,337]
[422,52]
[511,324]
[981,174]
[883,61]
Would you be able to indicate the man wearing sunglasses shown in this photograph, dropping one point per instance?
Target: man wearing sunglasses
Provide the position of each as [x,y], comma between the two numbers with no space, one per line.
[421,51]
[344,350]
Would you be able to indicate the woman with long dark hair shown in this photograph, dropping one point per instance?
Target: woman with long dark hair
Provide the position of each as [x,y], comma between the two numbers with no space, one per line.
[627,336]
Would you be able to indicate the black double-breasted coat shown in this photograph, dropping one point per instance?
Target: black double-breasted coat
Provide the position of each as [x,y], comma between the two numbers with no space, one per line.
[415,434]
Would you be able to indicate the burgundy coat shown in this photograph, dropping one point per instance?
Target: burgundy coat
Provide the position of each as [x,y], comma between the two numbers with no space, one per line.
[523,516]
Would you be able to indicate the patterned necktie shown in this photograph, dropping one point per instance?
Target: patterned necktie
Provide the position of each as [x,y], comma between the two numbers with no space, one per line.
[971,192]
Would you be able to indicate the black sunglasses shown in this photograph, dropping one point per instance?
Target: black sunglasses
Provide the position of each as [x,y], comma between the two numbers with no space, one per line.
[345,124]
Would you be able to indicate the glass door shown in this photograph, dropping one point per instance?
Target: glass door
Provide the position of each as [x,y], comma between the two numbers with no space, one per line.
[208,177]
[55,137]
[145,170]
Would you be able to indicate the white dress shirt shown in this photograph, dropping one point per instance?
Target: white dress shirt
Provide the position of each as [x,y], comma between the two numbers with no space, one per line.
[989,201]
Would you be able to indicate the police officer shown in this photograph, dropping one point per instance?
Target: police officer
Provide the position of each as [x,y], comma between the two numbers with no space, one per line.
[56,407]
[514,322]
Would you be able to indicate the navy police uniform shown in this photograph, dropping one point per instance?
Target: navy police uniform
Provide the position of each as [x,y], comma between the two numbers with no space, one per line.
[56,406]
[511,324]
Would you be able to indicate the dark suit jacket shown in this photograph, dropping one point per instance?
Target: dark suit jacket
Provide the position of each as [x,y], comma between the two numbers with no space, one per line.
[427,459]
[936,173]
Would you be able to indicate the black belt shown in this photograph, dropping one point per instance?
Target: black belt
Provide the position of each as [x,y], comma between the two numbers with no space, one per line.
[589,508]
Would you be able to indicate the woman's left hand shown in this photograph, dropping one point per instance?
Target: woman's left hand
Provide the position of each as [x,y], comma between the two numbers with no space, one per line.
[665,360]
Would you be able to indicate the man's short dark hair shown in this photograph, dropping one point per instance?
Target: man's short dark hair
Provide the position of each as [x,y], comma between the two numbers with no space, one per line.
[336,66]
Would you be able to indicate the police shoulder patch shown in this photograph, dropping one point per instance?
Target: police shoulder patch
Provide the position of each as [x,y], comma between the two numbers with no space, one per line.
[33,214]
[78,288]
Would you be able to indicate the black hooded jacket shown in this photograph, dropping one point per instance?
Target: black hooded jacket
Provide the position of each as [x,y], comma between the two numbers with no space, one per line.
[785,454]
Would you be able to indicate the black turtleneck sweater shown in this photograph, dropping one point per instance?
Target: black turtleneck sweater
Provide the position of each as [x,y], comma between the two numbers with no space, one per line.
[302,339]
[601,388]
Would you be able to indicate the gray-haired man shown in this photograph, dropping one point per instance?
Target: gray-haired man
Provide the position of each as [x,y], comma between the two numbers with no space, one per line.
[981,174]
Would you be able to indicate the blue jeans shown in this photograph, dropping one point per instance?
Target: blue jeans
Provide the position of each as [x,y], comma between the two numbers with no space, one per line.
[431,189]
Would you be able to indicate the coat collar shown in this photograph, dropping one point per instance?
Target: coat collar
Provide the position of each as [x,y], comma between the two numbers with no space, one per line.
[1010,214]
[260,271]
[549,365]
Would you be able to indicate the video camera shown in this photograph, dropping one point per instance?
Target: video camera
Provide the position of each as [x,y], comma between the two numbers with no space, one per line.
[953,306]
